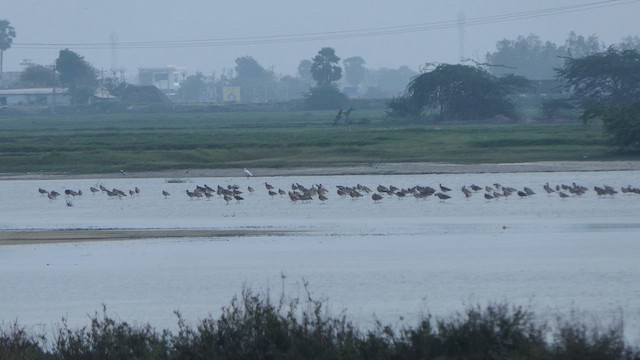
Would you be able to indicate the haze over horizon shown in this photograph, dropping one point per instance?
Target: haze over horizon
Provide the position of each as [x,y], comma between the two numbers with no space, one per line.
[203,36]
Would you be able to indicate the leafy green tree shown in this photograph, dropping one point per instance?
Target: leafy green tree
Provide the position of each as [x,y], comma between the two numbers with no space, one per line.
[607,85]
[256,82]
[304,71]
[630,43]
[38,76]
[248,68]
[525,56]
[291,87]
[577,46]
[324,68]
[193,88]
[325,98]
[622,124]
[76,73]
[7,33]
[609,78]
[534,59]
[115,84]
[354,70]
[325,71]
[462,92]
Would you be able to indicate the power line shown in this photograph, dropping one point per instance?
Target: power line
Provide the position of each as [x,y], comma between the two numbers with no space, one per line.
[334,35]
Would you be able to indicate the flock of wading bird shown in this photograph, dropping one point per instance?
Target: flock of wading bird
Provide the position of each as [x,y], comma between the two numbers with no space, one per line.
[303,194]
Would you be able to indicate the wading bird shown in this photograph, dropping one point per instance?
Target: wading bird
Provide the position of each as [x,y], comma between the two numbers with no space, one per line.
[444,188]
[247,173]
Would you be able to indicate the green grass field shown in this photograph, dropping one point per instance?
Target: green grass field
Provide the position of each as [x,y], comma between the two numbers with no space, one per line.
[141,142]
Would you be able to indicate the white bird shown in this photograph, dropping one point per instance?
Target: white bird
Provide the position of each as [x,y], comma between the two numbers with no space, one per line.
[247,172]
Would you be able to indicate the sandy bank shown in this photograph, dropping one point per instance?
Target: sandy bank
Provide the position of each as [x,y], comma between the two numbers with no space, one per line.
[20,237]
[360,169]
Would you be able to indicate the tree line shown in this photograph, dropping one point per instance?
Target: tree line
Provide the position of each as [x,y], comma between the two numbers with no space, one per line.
[258,83]
[601,82]
[261,84]
[535,59]
[604,85]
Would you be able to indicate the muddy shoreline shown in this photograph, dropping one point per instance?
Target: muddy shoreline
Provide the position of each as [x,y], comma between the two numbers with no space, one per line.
[359,169]
[24,237]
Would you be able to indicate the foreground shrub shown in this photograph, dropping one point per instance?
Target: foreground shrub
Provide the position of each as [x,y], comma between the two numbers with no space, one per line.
[16,343]
[575,340]
[255,327]
[107,338]
[496,332]
[326,97]
[622,125]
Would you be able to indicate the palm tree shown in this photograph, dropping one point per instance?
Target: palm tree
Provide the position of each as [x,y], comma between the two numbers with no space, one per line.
[7,33]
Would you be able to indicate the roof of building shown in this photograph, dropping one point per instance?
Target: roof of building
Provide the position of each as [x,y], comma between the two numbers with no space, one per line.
[103,94]
[34,91]
[144,94]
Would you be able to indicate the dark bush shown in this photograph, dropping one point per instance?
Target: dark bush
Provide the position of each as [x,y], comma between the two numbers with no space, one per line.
[496,332]
[17,343]
[403,106]
[463,93]
[107,338]
[254,327]
[622,124]
[326,97]
[575,340]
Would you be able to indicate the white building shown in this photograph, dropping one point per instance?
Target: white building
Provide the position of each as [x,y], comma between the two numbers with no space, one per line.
[165,78]
[36,96]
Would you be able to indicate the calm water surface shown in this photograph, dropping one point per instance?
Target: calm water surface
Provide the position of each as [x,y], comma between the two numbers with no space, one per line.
[398,258]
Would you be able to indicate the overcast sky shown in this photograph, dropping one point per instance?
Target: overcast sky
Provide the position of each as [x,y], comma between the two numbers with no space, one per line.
[66,22]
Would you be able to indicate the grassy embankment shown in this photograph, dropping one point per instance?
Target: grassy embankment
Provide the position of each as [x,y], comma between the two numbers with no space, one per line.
[254,327]
[142,142]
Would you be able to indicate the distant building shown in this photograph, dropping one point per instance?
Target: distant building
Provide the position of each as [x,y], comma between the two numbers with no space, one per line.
[166,78]
[37,97]
[102,95]
[351,92]
[231,94]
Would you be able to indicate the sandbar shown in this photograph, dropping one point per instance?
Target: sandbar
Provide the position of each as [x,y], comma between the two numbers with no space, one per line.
[406,168]
[23,237]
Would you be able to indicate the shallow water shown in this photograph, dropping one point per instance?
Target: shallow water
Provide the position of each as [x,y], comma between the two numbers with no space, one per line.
[398,258]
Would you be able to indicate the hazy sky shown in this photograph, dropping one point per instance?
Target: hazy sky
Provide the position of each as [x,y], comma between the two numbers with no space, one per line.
[67,22]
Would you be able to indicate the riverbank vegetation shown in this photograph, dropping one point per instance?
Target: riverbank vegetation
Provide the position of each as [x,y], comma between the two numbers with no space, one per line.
[103,143]
[254,326]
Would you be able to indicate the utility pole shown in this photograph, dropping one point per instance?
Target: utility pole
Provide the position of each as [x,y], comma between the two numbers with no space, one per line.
[114,44]
[462,18]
